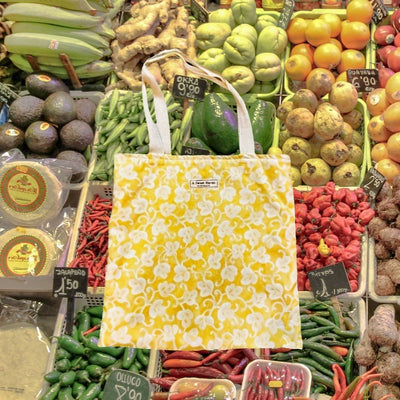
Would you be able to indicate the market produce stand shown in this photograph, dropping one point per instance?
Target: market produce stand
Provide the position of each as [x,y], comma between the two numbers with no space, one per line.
[321,84]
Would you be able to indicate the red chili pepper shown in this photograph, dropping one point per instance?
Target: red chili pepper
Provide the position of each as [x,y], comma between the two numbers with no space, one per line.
[191,394]
[233,360]
[351,198]
[366,216]
[160,396]
[329,188]
[240,366]
[343,209]
[188,355]
[249,353]
[301,280]
[92,329]
[363,205]
[299,229]
[308,285]
[180,363]
[211,356]
[309,197]
[340,226]
[361,195]
[329,211]
[322,202]
[315,237]
[325,223]
[311,250]
[330,260]
[196,372]
[310,228]
[339,195]
[314,216]
[229,353]
[225,368]
[355,213]
[297,195]
[310,264]
[336,251]
[300,210]
[165,382]
[352,274]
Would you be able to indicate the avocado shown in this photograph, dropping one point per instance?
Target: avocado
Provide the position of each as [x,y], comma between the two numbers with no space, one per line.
[85,110]
[78,162]
[11,137]
[41,137]
[59,108]
[262,117]
[76,135]
[43,84]
[199,128]
[25,110]
[222,125]
[198,146]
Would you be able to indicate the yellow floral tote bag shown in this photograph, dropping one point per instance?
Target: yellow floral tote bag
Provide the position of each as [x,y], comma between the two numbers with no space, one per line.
[202,249]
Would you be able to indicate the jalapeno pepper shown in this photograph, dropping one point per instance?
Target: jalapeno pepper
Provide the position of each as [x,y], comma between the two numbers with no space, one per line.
[349,365]
[82,376]
[67,378]
[116,365]
[75,334]
[134,368]
[83,364]
[62,353]
[52,392]
[95,321]
[128,357]
[65,394]
[95,371]
[78,389]
[63,365]
[83,323]
[102,359]
[76,362]
[143,358]
[92,344]
[92,391]
[70,344]
[53,376]
[95,311]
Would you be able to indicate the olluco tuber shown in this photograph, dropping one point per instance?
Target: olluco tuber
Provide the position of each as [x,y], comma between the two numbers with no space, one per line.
[364,353]
[382,328]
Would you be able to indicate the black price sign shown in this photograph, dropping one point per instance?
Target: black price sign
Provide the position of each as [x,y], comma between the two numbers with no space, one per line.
[193,151]
[329,281]
[363,79]
[126,385]
[70,282]
[198,11]
[286,14]
[380,11]
[373,183]
[6,94]
[189,88]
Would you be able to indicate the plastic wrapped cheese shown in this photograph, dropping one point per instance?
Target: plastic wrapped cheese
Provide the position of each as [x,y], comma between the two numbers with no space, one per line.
[30,193]
[27,251]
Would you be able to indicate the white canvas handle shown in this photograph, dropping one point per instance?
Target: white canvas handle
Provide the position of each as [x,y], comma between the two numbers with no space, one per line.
[159,132]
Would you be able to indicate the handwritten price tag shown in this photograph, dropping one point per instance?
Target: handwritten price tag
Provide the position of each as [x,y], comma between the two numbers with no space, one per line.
[189,87]
[286,14]
[126,385]
[198,11]
[363,79]
[372,183]
[7,95]
[70,282]
[380,11]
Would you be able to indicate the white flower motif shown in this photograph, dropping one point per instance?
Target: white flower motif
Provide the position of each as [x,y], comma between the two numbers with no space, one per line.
[121,335]
[206,207]
[118,232]
[144,341]
[216,343]
[139,205]
[261,255]
[228,193]
[157,309]
[202,321]
[233,292]
[169,333]
[190,298]
[273,325]
[181,195]
[167,209]
[172,172]
[186,317]
[162,192]
[255,320]
[275,291]
[137,235]
[238,251]
[124,213]
[272,209]
[147,258]
[224,229]
[236,173]
[186,234]
[125,250]
[165,289]
[229,273]
[206,288]
[248,277]
[214,260]
[271,240]
[193,253]
[225,312]
[283,264]
[191,215]
[253,236]
[247,196]
[181,273]
[171,248]
[239,337]
[148,180]
[259,299]
[232,210]
[192,338]
[280,184]
[258,176]
[120,294]
[115,315]
[159,227]
[257,218]
[204,237]
[127,171]
[162,270]
[113,271]
[132,319]
[137,285]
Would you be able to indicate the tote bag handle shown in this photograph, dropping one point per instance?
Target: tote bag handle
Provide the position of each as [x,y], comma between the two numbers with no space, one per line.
[159,132]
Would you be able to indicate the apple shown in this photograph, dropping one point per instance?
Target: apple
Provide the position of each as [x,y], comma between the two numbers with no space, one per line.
[246,30]
[212,34]
[384,74]
[239,50]
[383,52]
[214,59]
[222,15]
[384,35]
[240,77]
[393,60]
[397,40]
[395,19]
[266,67]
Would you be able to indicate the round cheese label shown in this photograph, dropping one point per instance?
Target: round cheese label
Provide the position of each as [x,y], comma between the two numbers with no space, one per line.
[29,193]
[26,252]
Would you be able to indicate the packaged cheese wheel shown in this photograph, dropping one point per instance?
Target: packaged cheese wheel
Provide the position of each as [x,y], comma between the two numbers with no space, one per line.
[30,193]
[27,251]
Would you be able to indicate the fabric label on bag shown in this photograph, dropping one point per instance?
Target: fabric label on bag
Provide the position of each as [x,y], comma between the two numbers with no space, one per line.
[204,183]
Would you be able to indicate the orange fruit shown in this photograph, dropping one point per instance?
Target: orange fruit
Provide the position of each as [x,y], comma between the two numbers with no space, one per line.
[377,101]
[393,147]
[388,168]
[351,59]
[334,22]
[304,49]
[376,129]
[296,30]
[327,56]
[318,32]
[391,117]
[298,67]
[359,10]
[379,152]
[336,43]
[392,88]
[354,35]
[342,77]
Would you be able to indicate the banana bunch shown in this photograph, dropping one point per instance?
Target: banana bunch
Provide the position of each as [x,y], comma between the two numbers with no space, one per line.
[81,29]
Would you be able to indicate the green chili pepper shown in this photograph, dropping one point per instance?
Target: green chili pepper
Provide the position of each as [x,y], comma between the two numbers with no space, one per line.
[63,365]
[320,378]
[70,344]
[82,376]
[324,360]
[95,321]
[83,322]
[143,358]
[128,357]
[95,334]
[316,365]
[347,334]
[308,325]
[322,349]
[53,376]
[138,364]
[102,359]
[134,368]
[67,378]
[95,371]
[78,389]
[350,324]
[322,321]
[305,318]
[62,353]
[334,315]
[290,355]
[146,352]
[83,364]
[52,392]
[318,389]
[316,305]
[315,331]
[65,394]
[75,334]
[113,103]
[91,392]
[92,344]
[116,365]
[76,362]
[349,365]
